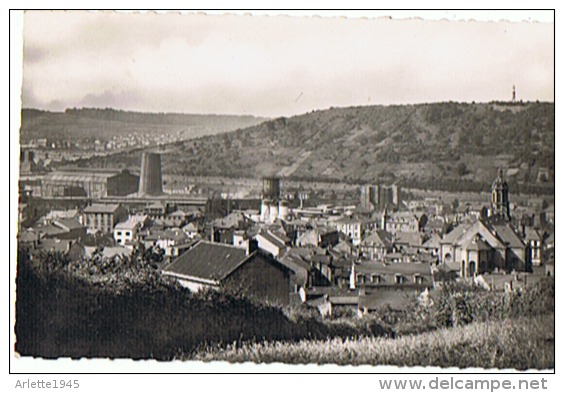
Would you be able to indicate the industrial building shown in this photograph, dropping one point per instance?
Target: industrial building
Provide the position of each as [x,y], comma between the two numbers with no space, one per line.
[88,183]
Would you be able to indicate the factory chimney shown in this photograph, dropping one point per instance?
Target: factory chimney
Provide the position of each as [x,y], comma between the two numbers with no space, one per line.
[150,182]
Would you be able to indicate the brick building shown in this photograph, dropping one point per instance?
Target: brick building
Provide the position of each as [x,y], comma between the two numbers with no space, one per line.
[103,218]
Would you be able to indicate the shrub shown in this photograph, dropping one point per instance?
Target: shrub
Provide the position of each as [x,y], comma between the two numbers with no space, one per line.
[458,303]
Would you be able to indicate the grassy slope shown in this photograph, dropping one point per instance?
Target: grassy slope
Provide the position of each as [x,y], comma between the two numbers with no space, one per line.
[525,343]
[78,124]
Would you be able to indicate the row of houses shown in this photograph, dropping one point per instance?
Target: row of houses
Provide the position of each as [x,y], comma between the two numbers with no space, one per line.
[321,255]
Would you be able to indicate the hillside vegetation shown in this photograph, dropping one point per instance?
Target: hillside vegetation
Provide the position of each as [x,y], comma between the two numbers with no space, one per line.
[449,146]
[87,123]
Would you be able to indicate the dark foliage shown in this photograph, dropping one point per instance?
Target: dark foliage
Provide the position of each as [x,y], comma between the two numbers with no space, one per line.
[123,307]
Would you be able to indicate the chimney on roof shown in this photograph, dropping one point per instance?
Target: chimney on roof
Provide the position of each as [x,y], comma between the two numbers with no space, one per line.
[352,278]
[252,246]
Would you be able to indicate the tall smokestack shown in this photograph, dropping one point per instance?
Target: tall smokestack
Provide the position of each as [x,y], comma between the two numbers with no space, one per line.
[151,182]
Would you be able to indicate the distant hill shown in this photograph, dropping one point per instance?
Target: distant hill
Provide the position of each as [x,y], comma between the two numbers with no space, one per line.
[447,146]
[105,123]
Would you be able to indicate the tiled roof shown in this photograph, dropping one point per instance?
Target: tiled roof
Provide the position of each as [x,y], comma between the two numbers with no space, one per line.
[278,233]
[433,241]
[168,234]
[410,238]
[272,239]
[455,234]
[379,238]
[57,214]
[508,236]
[56,245]
[344,300]
[156,205]
[393,255]
[476,244]
[50,230]
[353,220]
[464,236]
[71,176]
[70,223]
[190,227]
[479,228]
[28,236]
[393,268]
[397,300]
[323,230]
[499,281]
[209,261]
[304,252]
[450,266]
[294,262]
[341,262]
[126,225]
[343,246]
[426,258]
[101,208]
[323,259]
[178,213]
[532,234]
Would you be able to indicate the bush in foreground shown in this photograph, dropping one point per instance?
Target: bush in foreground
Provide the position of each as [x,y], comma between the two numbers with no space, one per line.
[125,308]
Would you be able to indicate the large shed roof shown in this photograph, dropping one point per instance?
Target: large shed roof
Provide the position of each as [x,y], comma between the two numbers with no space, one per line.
[208,260]
[72,176]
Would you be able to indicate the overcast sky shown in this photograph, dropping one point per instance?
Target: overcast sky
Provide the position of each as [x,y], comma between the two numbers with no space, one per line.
[273,66]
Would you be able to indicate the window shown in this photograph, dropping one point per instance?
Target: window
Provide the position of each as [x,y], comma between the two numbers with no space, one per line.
[376,278]
[417,279]
[127,233]
[119,233]
[360,278]
[399,279]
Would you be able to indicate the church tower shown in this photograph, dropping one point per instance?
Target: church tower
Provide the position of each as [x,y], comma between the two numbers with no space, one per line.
[500,197]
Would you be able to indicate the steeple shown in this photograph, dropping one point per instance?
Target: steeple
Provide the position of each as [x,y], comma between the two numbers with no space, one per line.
[384,219]
[500,196]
